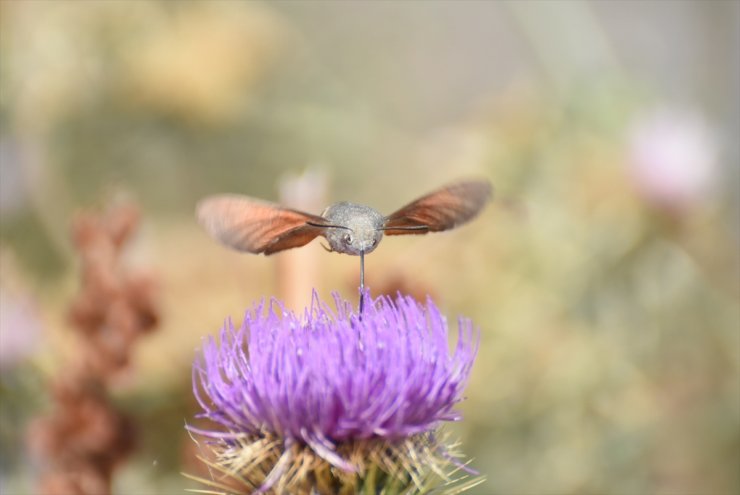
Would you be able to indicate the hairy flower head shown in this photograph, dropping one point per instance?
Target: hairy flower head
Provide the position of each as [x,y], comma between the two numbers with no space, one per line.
[333,391]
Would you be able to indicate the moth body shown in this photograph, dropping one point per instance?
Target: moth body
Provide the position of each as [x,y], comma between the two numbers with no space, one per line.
[358,228]
[256,226]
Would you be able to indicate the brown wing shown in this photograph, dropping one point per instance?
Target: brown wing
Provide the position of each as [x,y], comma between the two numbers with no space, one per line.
[256,226]
[443,209]
[294,238]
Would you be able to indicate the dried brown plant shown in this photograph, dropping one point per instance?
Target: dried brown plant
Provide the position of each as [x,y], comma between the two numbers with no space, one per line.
[85,437]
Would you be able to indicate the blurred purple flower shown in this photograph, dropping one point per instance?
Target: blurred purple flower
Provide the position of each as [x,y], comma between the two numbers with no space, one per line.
[332,379]
[673,158]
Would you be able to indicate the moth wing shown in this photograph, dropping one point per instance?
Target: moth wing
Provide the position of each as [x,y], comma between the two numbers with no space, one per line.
[297,237]
[256,226]
[443,209]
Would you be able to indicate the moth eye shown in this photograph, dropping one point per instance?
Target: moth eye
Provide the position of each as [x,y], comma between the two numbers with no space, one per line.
[348,238]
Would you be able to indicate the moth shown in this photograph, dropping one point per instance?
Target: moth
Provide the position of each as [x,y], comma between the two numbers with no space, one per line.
[257,226]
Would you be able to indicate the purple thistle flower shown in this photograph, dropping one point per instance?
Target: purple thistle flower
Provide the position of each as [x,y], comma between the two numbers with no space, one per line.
[335,387]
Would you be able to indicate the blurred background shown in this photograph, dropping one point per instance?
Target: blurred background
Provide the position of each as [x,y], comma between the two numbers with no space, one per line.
[605,276]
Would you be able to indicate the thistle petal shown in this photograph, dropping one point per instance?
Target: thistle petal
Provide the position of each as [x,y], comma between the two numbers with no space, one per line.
[341,389]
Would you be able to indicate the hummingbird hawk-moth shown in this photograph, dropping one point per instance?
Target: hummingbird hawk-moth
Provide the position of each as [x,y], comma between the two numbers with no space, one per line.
[256,226]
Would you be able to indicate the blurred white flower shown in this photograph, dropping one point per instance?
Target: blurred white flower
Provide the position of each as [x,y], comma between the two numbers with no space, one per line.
[20,329]
[673,158]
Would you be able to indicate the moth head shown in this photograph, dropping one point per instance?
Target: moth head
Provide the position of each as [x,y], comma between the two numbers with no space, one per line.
[356,240]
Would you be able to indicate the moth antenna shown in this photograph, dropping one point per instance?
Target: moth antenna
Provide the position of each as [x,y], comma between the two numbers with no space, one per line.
[327,226]
[414,227]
